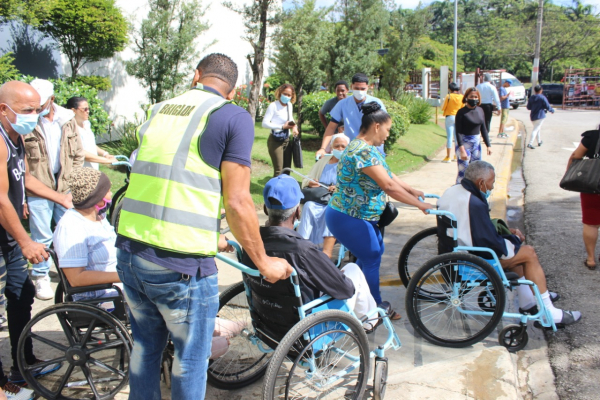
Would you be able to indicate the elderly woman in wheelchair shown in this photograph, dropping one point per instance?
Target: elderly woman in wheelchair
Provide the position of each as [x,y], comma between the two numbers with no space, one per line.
[307,334]
[458,297]
[312,222]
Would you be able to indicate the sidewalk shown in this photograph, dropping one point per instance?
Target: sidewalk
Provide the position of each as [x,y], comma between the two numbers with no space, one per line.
[420,370]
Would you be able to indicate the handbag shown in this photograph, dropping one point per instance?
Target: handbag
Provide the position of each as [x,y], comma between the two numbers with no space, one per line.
[297,153]
[319,195]
[389,214]
[583,176]
[281,135]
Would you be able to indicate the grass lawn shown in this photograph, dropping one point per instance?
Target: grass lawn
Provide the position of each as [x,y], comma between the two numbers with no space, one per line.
[408,154]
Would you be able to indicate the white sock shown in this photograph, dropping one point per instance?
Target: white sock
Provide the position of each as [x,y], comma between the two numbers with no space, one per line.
[557,313]
[526,299]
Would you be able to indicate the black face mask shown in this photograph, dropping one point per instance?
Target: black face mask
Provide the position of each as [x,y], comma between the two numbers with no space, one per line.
[472,102]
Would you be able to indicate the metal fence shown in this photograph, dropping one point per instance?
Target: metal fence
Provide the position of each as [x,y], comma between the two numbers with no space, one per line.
[581,89]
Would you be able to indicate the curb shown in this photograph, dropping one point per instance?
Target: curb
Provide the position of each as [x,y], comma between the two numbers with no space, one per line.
[503,172]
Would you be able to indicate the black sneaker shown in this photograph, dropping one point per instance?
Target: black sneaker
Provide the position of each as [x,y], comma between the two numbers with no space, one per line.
[530,146]
[540,143]
[16,377]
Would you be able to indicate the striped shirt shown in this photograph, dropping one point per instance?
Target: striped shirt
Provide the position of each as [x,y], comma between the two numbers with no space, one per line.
[79,242]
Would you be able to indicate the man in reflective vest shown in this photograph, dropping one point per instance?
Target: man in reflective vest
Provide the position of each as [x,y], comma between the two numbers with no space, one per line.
[194,158]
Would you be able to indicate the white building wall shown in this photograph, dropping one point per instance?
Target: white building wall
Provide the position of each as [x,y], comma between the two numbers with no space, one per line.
[226,29]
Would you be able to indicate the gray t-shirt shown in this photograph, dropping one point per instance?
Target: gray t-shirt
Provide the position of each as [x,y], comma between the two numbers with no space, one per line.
[328,106]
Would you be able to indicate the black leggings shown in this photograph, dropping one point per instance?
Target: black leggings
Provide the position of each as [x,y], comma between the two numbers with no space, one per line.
[18,314]
[487,112]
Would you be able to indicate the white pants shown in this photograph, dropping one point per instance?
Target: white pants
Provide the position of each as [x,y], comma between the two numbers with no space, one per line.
[362,302]
[537,130]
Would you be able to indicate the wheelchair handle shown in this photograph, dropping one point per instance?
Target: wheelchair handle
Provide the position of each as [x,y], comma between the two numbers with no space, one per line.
[317,156]
[429,196]
[243,268]
[441,212]
[121,157]
[303,176]
[126,163]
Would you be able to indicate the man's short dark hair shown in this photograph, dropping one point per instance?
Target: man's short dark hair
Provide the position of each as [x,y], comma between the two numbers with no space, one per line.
[537,88]
[338,83]
[360,77]
[219,66]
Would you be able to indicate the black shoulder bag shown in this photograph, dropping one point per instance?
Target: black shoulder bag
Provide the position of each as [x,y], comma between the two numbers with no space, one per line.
[583,176]
[282,134]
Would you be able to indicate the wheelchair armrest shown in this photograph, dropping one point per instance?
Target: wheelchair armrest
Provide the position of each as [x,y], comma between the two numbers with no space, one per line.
[83,289]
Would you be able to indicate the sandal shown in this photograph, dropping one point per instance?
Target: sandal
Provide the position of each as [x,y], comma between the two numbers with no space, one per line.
[590,267]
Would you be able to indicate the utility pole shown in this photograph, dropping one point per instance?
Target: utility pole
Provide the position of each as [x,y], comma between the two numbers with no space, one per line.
[538,40]
[455,40]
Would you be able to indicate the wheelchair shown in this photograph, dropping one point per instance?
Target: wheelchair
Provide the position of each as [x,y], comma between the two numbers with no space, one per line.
[457,298]
[94,344]
[314,350]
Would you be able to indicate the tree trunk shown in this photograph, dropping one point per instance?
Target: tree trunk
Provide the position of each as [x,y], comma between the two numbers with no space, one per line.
[257,63]
[299,95]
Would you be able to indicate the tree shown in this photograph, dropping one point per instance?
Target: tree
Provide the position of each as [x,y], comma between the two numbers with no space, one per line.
[8,72]
[403,39]
[359,30]
[86,30]
[300,49]
[30,12]
[259,16]
[165,46]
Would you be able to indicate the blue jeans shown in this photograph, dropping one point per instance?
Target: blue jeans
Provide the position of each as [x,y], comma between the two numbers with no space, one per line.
[450,130]
[163,302]
[364,240]
[41,212]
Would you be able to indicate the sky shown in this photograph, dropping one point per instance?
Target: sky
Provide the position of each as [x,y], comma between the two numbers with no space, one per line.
[415,3]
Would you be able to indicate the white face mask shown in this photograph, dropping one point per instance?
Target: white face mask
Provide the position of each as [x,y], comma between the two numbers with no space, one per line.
[359,94]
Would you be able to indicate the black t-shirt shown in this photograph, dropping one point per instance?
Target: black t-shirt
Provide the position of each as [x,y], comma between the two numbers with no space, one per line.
[470,122]
[316,273]
[590,141]
[15,165]
[228,136]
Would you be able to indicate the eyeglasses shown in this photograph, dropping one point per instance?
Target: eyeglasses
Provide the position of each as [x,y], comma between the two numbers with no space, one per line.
[86,109]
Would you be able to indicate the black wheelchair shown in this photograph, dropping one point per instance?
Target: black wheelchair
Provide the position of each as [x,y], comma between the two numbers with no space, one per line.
[315,350]
[93,346]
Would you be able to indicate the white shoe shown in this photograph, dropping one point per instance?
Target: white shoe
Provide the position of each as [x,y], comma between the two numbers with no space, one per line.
[43,290]
[15,392]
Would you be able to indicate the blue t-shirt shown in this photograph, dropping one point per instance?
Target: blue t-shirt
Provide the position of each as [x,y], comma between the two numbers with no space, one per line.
[357,194]
[504,103]
[349,113]
[228,136]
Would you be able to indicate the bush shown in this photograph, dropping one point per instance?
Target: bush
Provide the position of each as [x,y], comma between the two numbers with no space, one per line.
[419,110]
[8,71]
[400,121]
[128,141]
[311,104]
[95,81]
[64,90]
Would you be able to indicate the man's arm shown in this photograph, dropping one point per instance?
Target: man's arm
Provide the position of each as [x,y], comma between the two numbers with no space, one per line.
[10,221]
[325,276]
[243,222]
[329,132]
[36,187]
[483,232]
[323,119]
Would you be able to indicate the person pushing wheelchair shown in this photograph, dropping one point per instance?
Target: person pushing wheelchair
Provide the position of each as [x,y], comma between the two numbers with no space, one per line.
[468,202]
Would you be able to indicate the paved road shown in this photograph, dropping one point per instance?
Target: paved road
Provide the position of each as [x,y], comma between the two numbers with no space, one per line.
[553,223]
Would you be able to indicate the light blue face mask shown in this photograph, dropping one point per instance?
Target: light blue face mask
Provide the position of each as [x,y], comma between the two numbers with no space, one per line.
[487,192]
[337,153]
[284,99]
[25,123]
[45,111]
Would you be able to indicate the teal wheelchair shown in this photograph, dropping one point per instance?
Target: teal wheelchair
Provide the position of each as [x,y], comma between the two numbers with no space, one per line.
[314,350]
[457,298]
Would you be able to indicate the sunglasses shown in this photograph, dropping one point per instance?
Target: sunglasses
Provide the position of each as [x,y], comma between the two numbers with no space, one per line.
[86,109]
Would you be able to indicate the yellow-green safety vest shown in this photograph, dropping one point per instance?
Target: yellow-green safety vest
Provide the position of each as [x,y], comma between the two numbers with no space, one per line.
[174,200]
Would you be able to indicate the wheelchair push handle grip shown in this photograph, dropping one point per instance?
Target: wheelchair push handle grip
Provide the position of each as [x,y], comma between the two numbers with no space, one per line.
[242,267]
[429,196]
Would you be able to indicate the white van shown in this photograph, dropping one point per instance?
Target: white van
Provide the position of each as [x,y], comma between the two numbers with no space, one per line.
[517,90]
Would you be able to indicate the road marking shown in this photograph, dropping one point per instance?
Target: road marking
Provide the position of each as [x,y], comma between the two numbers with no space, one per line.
[576,144]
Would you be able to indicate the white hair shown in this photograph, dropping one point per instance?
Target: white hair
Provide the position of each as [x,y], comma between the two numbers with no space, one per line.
[339,136]
[479,170]
[279,216]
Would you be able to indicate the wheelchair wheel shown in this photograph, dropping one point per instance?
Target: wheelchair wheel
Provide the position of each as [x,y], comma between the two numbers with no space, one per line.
[513,337]
[93,347]
[442,300]
[59,294]
[419,249]
[243,363]
[116,215]
[325,356]
[487,300]
[380,378]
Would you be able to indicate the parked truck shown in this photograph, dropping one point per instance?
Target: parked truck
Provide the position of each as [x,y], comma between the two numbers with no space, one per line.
[516,91]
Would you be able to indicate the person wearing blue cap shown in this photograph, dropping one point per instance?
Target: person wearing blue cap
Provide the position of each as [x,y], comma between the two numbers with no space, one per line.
[317,274]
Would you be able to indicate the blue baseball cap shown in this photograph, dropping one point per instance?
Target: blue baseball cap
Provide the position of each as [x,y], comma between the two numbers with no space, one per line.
[285,189]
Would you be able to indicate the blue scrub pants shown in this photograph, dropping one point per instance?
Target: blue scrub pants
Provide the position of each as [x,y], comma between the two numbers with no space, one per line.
[364,240]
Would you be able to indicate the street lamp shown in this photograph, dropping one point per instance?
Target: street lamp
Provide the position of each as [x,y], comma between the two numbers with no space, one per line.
[455,39]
